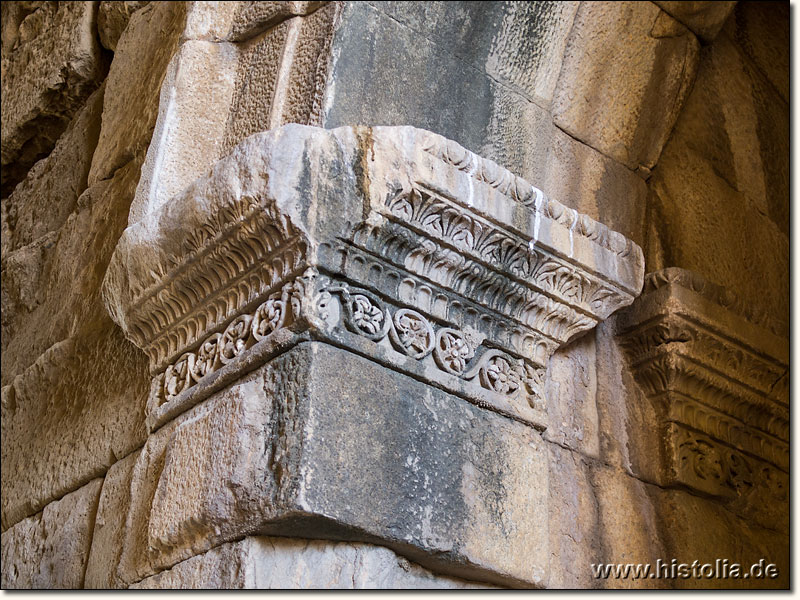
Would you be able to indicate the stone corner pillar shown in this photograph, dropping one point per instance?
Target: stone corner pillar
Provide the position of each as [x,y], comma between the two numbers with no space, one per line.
[717,374]
[398,298]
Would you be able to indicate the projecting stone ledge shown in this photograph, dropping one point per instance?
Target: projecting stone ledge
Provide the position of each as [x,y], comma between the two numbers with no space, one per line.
[717,373]
[417,291]
[391,241]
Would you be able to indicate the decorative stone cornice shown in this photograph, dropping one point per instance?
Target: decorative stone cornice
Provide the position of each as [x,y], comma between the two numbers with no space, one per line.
[717,375]
[392,242]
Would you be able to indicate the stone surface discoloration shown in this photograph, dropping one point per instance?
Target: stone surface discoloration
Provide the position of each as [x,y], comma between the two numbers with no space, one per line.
[431,488]
[625,97]
[51,64]
[376,338]
[50,549]
[286,563]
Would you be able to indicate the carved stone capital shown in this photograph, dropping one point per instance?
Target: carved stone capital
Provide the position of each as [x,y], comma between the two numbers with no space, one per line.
[393,242]
[718,374]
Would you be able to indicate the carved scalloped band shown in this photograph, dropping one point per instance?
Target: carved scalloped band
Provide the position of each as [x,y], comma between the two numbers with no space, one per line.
[468,276]
[713,376]
[508,184]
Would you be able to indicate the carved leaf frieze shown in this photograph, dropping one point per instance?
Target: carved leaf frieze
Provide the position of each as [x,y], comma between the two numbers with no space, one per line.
[434,255]
[710,372]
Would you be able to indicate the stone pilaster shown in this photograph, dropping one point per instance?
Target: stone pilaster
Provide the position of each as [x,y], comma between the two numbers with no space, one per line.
[718,376]
[425,276]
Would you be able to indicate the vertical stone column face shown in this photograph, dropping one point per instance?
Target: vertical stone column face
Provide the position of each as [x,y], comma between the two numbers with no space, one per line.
[438,281]
[718,375]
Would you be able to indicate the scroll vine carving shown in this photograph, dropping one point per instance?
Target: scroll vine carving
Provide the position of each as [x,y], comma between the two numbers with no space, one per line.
[712,384]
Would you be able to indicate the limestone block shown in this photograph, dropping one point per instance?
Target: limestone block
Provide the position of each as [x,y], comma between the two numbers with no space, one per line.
[718,197]
[193,109]
[517,44]
[217,93]
[281,75]
[68,418]
[399,92]
[573,515]
[628,421]
[301,99]
[724,536]
[66,267]
[286,563]
[41,203]
[131,101]
[705,19]
[434,489]
[571,391]
[77,387]
[628,525]
[627,68]
[109,526]
[133,559]
[502,123]
[252,18]
[112,19]
[761,30]
[593,184]
[49,550]
[736,124]
[50,69]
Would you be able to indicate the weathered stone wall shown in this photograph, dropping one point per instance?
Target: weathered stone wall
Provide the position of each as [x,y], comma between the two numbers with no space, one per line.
[665,121]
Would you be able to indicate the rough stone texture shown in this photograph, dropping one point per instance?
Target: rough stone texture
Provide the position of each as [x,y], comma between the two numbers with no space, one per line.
[112,19]
[131,101]
[503,121]
[285,563]
[628,422]
[67,267]
[761,31]
[267,446]
[718,196]
[76,389]
[50,65]
[216,93]
[430,489]
[627,69]
[574,535]
[49,550]
[626,523]
[705,19]
[571,392]
[724,536]
[109,526]
[69,418]
[193,110]
[43,201]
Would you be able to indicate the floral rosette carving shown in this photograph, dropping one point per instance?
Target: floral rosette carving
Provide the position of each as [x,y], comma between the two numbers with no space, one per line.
[207,358]
[364,315]
[268,317]
[497,374]
[452,351]
[234,339]
[177,376]
[703,466]
[412,334]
